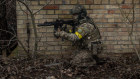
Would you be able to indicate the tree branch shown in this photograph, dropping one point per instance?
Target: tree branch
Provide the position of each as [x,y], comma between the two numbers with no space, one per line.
[34,27]
[132,25]
[41,8]
[2,2]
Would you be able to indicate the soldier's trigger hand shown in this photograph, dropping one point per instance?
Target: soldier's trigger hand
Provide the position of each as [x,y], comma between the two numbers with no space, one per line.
[59,34]
[56,34]
[58,30]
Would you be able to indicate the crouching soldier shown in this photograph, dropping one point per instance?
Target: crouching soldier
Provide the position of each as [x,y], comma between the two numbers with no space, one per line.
[86,38]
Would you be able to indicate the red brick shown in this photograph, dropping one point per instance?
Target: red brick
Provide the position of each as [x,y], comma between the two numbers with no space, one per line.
[126,6]
[65,11]
[81,1]
[97,1]
[124,29]
[111,38]
[89,1]
[49,7]
[111,11]
[138,29]
[105,1]
[110,46]
[115,25]
[65,16]
[117,20]
[102,29]
[73,1]
[110,29]
[89,11]
[123,33]
[137,46]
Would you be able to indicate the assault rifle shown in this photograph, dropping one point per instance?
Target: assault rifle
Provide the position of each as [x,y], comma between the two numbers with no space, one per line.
[58,24]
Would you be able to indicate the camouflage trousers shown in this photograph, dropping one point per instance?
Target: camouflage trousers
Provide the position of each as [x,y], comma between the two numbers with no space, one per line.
[82,58]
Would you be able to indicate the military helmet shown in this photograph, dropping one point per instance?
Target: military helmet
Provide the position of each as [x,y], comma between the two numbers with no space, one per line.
[80,10]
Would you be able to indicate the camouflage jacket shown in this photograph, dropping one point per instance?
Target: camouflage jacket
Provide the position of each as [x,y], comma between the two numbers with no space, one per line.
[86,32]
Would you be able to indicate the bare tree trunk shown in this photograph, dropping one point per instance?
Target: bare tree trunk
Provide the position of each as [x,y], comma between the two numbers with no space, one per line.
[32,15]
[12,24]
[3,25]
[130,22]
[8,23]
[34,27]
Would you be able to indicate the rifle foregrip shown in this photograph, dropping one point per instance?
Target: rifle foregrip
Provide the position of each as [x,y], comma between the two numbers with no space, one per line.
[41,25]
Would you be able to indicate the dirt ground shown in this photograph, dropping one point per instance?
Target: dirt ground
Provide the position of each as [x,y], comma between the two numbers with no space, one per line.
[127,67]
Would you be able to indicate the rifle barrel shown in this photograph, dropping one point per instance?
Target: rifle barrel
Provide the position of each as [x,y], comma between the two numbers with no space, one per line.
[46,24]
[58,22]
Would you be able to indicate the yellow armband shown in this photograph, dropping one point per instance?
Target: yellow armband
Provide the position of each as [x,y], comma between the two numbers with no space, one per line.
[70,31]
[78,34]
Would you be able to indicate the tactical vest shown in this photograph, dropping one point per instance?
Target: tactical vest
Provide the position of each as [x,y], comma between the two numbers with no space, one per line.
[93,36]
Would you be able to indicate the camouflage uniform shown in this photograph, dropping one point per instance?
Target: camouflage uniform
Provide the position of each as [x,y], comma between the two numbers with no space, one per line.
[86,33]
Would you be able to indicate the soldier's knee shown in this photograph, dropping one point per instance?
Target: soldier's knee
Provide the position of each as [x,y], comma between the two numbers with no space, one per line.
[96,47]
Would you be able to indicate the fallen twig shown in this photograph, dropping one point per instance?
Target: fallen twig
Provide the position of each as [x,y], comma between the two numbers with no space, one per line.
[53,64]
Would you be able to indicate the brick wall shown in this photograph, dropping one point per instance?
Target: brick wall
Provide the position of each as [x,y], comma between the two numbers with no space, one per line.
[105,13]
